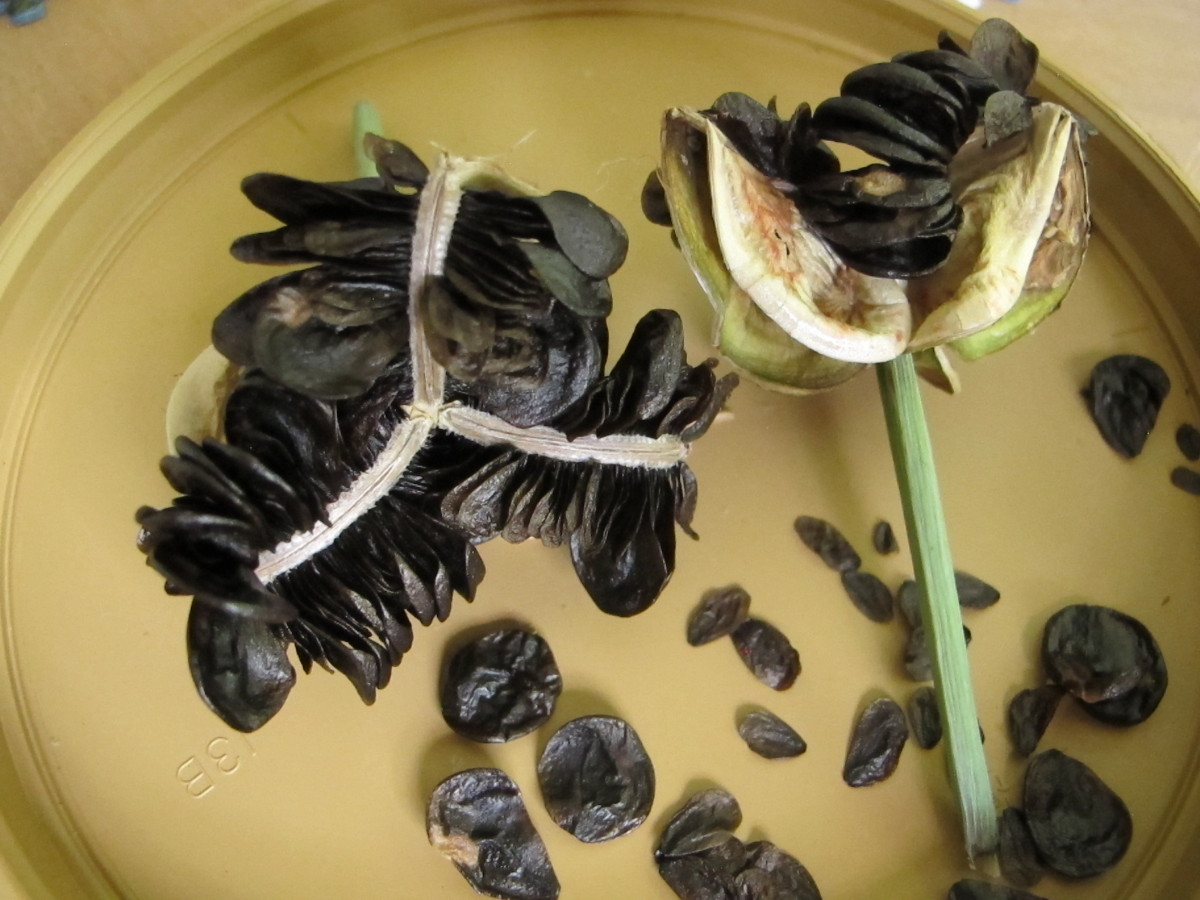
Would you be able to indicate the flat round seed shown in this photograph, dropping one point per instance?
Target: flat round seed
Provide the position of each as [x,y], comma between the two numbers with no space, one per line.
[769,736]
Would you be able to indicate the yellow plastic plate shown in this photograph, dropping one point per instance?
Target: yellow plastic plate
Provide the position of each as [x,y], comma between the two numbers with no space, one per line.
[115,780]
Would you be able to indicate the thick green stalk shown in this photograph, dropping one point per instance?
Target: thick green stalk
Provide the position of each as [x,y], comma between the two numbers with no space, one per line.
[912,453]
[366,121]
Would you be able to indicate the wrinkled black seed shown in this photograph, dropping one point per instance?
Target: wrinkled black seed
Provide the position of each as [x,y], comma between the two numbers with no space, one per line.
[1019,861]
[1029,716]
[974,593]
[719,612]
[767,653]
[1186,479]
[908,598]
[1079,825]
[883,538]
[705,821]
[917,660]
[769,736]
[975,889]
[478,821]
[869,594]
[1124,394]
[1187,438]
[596,778]
[879,736]
[1106,659]
[694,878]
[925,717]
[500,686]
[827,542]
[774,874]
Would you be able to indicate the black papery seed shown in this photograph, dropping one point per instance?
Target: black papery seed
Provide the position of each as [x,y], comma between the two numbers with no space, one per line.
[1019,861]
[695,878]
[719,612]
[1080,826]
[869,594]
[1106,659]
[879,735]
[769,736]
[925,717]
[706,820]
[908,598]
[1187,438]
[1186,479]
[974,593]
[500,686]
[477,819]
[975,889]
[596,778]
[767,653]
[1029,716]
[827,542]
[773,874]
[1124,394]
[917,660]
[883,538]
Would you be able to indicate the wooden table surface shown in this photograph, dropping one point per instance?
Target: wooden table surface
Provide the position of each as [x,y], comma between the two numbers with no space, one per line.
[57,74]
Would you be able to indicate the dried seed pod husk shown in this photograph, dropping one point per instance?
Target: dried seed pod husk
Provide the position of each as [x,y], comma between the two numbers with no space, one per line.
[500,686]
[883,538]
[1108,660]
[596,778]
[769,736]
[1018,855]
[720,611]
[824,539]
[1080,826]
[477,820]
[869,594]
[1029,716]
[879,735]
[706,820]
[977,889]
[767,653]
[1124,394]
[925,717]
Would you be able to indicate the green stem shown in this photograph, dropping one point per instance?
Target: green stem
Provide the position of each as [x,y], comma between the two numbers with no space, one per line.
[366,121]
[912,453]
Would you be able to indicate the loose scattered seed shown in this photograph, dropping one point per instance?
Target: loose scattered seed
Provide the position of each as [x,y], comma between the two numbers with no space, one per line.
[1019,862]
[925,717]
[1029,716]
[974,593]
[879,736]
[596,778]
[478,821]
[883,538]
[1124,395]
[827,542]
[767,653]
[719,612]
[1186,479]
[1187,438]
[974,889]
[869,594]
[706,820]
[917,661]
[1080,826]
[772,874]
[500,686]
[769,736]
[908,598]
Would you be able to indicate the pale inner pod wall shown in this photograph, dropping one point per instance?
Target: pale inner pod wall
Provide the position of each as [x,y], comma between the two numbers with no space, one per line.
[115,293]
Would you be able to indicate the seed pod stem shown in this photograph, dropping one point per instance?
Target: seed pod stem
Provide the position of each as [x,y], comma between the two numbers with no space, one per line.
[912,453]
[366,121]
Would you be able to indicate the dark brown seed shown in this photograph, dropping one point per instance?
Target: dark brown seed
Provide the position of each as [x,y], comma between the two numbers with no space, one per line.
[974,593]
[501,686]
[694,878]
[729,856]
[1080,826]
[478,821]
[1187,437]
[883,538]
[705,821]
[719,612]
[1029,716]
[974,889]
[908,598]
[1106,659]
[1186,479]
[879,736]
[596,779]
[767,653]
[925,717]
[773,874]
[827,542]
[917,661]
[869,594]
[1124,395]
[1019,862]
[769,736]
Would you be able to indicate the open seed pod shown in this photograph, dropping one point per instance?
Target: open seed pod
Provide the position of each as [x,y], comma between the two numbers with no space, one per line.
[434,379]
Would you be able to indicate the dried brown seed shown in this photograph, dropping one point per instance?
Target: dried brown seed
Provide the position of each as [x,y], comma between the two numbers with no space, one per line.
[1187,438]
[974,593]
[1019,861]
[1029,716]
[917,661]
[925,717]
[769,736]
[1124,395]
[767,653]
[869,594]
[1186,479]
[705,821]
[719,612]
[883,538]
[827,542]
[773,874]
[879,736]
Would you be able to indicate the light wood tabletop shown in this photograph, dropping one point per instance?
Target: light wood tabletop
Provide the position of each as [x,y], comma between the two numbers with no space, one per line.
[56,75]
